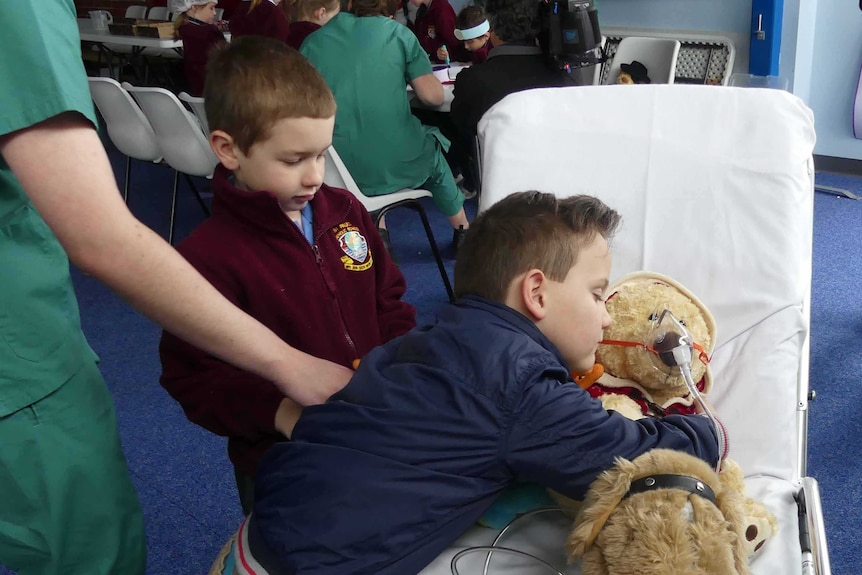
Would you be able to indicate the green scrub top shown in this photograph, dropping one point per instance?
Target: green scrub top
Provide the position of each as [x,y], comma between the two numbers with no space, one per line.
[367,63]
[41,344]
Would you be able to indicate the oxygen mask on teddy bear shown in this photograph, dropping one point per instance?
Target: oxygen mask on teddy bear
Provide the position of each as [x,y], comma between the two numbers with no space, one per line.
[650,314]
[659,331]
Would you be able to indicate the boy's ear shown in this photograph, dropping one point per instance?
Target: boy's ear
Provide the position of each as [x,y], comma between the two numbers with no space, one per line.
[533,292]
[224,147]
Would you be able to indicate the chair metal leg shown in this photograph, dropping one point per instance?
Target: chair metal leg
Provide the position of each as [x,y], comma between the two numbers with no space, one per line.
[197,195]
[128,173]
[173,207]
[417,207]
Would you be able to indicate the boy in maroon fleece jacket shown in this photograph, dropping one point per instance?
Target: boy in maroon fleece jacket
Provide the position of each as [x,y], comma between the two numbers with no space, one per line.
[303,258]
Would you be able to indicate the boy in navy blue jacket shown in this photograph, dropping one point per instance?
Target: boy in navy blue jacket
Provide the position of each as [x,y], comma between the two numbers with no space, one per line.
[435,424]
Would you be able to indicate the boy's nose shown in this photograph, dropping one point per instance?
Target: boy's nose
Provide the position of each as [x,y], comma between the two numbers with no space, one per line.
[314,176]
[606,318]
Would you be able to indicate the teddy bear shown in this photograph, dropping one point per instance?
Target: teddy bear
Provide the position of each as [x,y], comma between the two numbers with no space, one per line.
[636,382]
[649,312]
[633,73]
[663,512]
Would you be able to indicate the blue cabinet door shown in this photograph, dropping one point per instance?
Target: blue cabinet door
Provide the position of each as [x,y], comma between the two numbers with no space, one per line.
[765,37]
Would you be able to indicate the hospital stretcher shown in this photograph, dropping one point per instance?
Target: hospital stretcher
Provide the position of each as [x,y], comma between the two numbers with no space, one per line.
[715,187]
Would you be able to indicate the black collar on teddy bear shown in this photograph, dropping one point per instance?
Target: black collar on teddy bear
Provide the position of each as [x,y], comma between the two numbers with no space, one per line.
[671,481]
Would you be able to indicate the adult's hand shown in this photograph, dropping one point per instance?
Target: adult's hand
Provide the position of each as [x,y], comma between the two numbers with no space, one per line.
[309,380]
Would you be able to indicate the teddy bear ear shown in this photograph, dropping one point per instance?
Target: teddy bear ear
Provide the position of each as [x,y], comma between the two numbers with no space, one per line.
[603,497]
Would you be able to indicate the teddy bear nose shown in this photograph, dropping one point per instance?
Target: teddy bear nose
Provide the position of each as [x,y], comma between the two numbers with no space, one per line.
[665,344]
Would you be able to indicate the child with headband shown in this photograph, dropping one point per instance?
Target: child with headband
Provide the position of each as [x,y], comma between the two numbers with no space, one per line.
[473,30]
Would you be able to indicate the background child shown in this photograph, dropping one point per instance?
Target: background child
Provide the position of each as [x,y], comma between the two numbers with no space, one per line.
[303,258]
[442,420]
[194,25]
[435,28]
[308,16]
[472,29]
[365,59]
[261,18]
[515,63]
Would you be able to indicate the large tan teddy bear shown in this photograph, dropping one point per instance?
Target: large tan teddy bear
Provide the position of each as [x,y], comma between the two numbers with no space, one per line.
[648,310]
[663,513]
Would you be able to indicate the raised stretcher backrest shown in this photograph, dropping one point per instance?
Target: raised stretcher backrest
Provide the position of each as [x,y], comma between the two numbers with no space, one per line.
[715,186]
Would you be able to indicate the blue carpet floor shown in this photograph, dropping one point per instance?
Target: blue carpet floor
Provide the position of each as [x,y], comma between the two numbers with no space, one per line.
[182,473]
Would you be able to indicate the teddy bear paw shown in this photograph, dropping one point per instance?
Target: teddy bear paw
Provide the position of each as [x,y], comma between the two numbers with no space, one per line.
[757,533]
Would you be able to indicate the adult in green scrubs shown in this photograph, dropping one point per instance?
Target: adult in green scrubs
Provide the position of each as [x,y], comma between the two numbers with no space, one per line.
[67,505]
[368,59]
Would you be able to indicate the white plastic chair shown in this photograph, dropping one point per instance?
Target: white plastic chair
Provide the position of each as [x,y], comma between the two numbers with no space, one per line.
[180,137]
[158,13]
[659,55]
[337,175]
[197,106]
[127,126]
[136,12]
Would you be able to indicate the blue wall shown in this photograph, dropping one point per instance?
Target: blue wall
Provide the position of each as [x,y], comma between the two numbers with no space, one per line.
[730,18]
[712,15]
[829,85]
[821,50]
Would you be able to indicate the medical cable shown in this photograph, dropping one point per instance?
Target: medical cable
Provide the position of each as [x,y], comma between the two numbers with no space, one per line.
[494,547]
[469,550]
[676,351]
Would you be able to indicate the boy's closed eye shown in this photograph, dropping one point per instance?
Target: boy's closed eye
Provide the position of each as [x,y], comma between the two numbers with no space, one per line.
[293,161]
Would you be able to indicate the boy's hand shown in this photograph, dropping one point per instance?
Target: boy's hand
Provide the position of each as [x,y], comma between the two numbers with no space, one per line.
[286,417]
[442,53]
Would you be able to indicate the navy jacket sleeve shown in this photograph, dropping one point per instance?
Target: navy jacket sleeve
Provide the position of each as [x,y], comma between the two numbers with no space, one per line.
[562,438]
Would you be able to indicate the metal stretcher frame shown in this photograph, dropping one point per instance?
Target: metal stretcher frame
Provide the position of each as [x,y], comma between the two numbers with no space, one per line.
[698,153]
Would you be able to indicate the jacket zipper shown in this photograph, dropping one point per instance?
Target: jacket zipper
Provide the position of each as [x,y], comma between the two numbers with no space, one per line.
[331,285]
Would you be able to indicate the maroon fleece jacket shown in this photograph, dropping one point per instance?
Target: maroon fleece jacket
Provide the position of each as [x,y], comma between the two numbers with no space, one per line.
[436,28]
[266,19]
[335,300]
[299,31]
[199,40]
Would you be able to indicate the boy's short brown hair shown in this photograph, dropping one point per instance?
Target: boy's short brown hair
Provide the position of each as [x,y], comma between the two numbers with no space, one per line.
[528,230]
[470,16]
[254,82]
